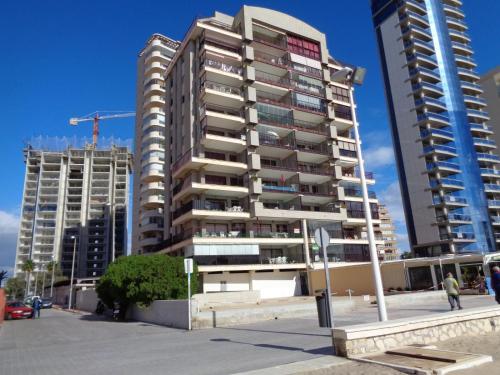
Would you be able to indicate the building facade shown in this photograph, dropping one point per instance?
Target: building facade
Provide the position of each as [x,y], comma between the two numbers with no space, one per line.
[490,83]
[259,151]
[444,147]
[78,196]
[148,195]
[387,232]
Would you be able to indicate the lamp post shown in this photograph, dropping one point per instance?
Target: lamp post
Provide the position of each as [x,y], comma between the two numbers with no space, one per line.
[72,273]
[351,77]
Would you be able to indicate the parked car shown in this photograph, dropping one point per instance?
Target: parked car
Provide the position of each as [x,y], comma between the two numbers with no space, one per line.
[46,303]
[17,310]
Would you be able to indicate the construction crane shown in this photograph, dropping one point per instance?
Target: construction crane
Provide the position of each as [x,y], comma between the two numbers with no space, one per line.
[96,117]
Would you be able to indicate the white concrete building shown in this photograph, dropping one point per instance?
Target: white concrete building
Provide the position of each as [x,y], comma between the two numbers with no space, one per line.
[80,192]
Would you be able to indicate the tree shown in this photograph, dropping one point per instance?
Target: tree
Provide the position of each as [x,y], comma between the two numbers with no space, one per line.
[28,267]
[3,276]
[15,287]
[142,279]
[406,255]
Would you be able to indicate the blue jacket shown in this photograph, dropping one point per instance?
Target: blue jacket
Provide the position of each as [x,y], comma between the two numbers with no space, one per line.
[495,280]
[37,305]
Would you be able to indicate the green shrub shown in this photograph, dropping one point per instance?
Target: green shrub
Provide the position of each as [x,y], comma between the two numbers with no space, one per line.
[142,279]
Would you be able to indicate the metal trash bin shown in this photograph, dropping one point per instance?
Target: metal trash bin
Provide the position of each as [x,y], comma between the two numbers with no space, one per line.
[322,307]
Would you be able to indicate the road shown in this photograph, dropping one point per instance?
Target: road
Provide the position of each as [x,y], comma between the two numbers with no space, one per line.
[65,343]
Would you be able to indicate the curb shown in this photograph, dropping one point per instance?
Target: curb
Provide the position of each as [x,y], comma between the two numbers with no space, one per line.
[315,366]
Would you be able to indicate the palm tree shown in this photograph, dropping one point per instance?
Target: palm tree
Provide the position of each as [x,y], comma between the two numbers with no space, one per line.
[28,267]
[3,276]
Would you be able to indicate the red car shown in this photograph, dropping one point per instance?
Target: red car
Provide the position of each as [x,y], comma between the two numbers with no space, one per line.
[17,310]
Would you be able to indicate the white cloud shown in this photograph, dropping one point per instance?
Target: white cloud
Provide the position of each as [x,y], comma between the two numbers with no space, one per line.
[376,157]
[9,224]
[391,197]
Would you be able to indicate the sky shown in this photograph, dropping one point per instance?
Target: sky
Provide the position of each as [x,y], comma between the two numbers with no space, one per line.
[63,58]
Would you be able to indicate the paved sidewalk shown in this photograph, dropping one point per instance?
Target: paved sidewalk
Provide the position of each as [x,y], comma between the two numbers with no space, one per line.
[65,343]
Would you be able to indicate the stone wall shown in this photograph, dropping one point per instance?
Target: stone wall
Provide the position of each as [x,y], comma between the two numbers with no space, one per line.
[171,313]
[378,337]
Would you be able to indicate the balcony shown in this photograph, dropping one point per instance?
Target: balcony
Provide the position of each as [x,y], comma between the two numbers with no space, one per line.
[437,133]
[272,79]
[418,46]
[495,220]
[294,209]
[475,114]
[482,142]
[449,200]
[488,157]
[209,209]
[276,41]
[485,172]
[428,89]
[215,185]
[459,35]
[481,128]
[357,193]
[492,188]
[426,61]
[416,31]
[443,166]
[276,60]
[414,5]
[440,149]
[221,94]
[288,122]
[465,62]
[414,18]
[433,119]
[427,75]
[473,88]
[430,103]
[494,203]
[456,24]
[475,100]
[222,117]
[461,47]
[454,218]
[446,183]
[468,74]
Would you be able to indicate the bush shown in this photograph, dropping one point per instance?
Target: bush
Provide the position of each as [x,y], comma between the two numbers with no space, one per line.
[142,279]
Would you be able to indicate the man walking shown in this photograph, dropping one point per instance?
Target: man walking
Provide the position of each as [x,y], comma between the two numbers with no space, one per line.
[453,291]
[37,306]
[495,282]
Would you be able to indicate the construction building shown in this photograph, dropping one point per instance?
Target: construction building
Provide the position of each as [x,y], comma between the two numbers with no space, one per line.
[445,150]
[387,232]
[149,203]
[259,151]
[74,196]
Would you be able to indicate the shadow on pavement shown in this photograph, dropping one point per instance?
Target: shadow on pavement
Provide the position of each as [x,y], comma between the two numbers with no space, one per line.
[326,350]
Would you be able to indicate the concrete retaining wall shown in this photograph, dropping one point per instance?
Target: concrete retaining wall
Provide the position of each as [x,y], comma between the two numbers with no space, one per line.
[207,300]
[171,313]
[403,299]
[381,336]
[86,300]
[228,317]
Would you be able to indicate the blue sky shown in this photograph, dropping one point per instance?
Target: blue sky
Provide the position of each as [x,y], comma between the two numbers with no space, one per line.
[61,59]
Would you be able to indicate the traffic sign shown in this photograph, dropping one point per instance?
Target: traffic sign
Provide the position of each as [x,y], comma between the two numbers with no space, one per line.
[188,265]
[321,237]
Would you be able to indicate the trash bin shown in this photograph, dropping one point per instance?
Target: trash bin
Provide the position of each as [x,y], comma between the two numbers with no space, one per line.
[323,311]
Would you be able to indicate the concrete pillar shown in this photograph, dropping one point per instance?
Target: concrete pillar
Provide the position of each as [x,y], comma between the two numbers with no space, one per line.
[433,275]
[459,275]
[250,280]
[306,243]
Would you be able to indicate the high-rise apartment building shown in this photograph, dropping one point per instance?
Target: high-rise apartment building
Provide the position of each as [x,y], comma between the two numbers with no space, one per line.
[490,83]
[444,148]
[148,198]
[386,231]
[259,151]
[75,194]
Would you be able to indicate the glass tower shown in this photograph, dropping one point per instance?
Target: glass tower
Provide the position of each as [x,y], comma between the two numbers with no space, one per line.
[448,169]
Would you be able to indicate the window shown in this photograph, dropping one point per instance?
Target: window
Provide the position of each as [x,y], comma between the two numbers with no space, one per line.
[340,94]
[304,47]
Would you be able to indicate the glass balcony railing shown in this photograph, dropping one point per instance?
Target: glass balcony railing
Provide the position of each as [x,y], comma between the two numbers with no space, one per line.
[474,99]
[468,72]
[446,181]
[465,59]
[428,132]
[482,141]
[410,14]
[416,29]
[495,219]
[493,203]
[443,164]
[487,171]
[430,102]
[488,156]
[462,45]
[420,56]
[427,86]
[358,193]
[476,113]
[462,235]
[440,148]
[456,21]
[453,217]
[227,68]
[481,127]
[287,121]
[429,72]
[224,89]
[430,116]
[492,187]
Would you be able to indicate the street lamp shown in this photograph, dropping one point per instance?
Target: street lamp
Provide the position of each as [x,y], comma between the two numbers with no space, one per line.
[356,76]
[72,273]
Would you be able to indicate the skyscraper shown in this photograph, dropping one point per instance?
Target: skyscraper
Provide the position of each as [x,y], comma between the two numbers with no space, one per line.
[490,82]
[74,196]
[386,231]
[259,150]
[148,197]
[443,145]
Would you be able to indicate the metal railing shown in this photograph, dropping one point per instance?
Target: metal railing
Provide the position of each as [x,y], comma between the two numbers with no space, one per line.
[225,89]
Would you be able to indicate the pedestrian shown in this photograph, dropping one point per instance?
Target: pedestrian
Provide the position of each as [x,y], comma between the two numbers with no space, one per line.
[453,291]
[37,306]
[495,282]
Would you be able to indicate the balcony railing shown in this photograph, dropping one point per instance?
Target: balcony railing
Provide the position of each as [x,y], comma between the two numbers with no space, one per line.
[281,189]
[271,59]
[446,181]
[485,171]
[359,193]
[482,141]
[453,217]
[449,199]
[475,99]
[312,169]
[228,68]
[289,122]
[493,203]
[348,153]
[427,132]
[312,106]
[493,187]
[430,116]
[440,148]
[475,112]
[488,156]
[225,89]
[206,206]
[481,127]
[272,78]
[244,234]
[443,164]
[279,41]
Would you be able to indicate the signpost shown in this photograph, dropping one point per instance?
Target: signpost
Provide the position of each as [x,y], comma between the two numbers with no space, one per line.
[322,239]
[188,268]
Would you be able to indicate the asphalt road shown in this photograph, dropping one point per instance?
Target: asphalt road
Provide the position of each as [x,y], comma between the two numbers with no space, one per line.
[65,343]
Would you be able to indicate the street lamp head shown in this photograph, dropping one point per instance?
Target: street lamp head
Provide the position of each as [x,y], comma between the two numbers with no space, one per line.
[356,75]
